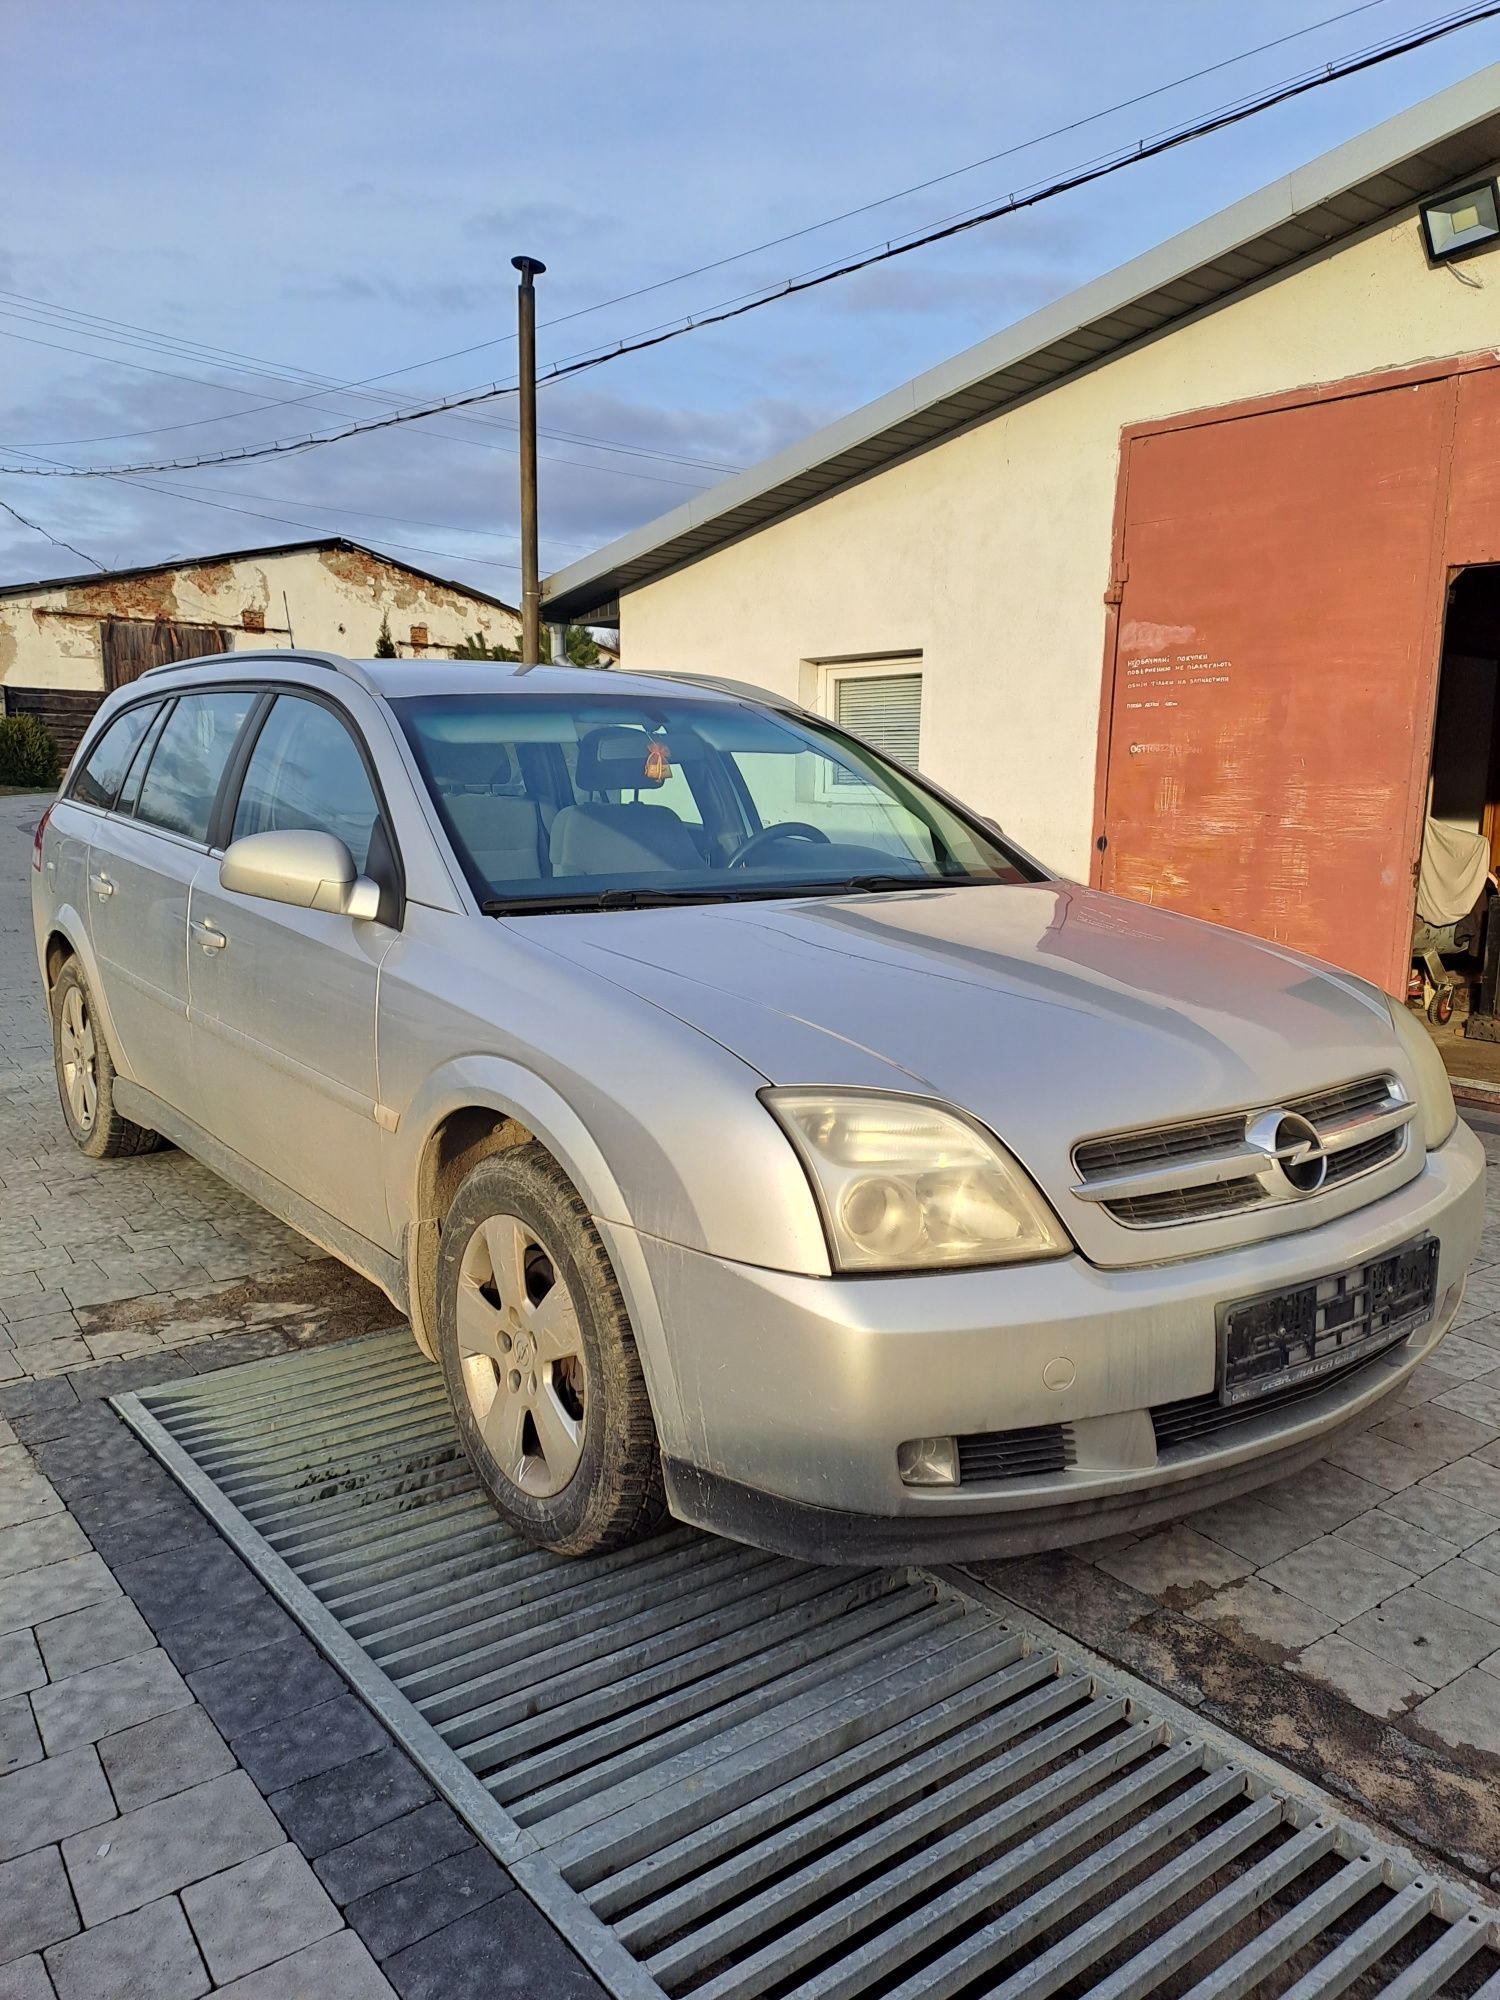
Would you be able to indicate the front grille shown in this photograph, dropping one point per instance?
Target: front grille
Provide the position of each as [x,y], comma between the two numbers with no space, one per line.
[1196,1417]
[984,1456]
[1156,1147]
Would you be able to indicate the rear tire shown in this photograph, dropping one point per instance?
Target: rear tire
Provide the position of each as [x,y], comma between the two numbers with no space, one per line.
[86,1074]
[540,1361]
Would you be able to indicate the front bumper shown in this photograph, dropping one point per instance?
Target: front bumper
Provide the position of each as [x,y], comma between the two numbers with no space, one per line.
[796,1391]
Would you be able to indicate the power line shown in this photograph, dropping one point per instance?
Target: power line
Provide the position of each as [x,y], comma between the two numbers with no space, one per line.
[47,535]
[1096,170]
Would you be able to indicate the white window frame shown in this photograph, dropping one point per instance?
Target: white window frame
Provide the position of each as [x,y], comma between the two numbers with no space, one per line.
[866,667]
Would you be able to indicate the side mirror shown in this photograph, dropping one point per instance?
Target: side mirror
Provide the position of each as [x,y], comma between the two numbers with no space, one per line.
[311,871]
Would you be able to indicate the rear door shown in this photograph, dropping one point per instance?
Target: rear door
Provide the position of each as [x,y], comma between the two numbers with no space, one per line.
[142,859]
[1275,672]
[284,999]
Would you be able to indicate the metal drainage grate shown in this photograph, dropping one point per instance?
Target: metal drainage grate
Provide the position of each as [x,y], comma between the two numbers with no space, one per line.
[728,1776]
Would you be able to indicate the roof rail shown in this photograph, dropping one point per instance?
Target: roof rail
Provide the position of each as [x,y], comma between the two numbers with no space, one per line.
[335,662]
[767,697]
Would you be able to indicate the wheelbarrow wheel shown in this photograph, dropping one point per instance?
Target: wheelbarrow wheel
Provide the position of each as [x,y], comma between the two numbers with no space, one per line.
[1440,1006]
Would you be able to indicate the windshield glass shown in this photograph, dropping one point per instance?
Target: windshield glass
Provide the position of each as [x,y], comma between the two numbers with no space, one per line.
[554,801]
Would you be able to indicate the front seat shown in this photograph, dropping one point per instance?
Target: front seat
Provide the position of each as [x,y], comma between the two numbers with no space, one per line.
[502,832]
[601,838]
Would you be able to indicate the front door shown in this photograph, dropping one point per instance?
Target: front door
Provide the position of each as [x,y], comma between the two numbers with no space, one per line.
[284,999]
[1275,671]
[139,871]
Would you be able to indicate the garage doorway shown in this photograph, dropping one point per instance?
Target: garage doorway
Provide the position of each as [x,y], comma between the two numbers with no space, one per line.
[1461,844]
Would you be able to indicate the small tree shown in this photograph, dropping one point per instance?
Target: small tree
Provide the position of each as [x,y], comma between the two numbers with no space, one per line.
[385,645]
[579,647]
[477,647]
[28,756]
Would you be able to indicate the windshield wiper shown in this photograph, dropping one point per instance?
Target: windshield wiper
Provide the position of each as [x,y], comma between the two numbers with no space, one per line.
[626,899]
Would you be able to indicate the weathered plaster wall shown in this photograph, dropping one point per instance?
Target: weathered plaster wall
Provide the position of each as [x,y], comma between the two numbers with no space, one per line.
[990,555]
[337,598]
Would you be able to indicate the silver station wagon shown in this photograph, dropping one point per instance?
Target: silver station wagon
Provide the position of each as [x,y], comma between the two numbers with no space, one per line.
[750,1131]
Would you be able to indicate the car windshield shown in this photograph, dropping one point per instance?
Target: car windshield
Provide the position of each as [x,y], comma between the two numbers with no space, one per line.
[566,802]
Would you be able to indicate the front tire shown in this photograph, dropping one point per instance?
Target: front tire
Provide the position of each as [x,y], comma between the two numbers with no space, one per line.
[86,1074]
[540,1361]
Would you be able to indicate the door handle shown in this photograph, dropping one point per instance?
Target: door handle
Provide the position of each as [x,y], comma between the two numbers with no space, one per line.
[209,935]
[101,886]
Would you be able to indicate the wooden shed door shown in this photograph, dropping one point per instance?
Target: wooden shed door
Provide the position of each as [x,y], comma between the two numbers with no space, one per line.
[1275,672]
[130,645]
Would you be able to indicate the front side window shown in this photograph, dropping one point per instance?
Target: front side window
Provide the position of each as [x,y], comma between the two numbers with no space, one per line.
[98,779]
[182,779]
[306,772]
[562,802]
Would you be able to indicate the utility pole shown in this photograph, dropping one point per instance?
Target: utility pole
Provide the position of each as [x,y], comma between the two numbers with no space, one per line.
[530,268]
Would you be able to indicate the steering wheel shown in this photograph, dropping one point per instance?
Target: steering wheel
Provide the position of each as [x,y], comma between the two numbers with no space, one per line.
[789,829]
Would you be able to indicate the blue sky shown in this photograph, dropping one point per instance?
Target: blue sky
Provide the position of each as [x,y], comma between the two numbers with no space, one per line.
[336,190]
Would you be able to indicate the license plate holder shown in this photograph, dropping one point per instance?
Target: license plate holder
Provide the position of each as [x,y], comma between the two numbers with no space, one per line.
[1276,1340]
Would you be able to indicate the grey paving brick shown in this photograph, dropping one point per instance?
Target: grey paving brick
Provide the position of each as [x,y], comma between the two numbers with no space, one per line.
[204,1604]
[19,1742]
[398,1915]
[26,1979]
[38,1909]
[1176,1558]
[1470,1585]
[165,1846]
[273,1681]
[1325,1495]
[1397,1541]
[21,1666]
[505,1951]
[33,1544]
[329,1811]
[1334,1576]
[47,1801]
[172,1526]
[106,1699]
[152,1760]
[147,1955]
[24,1493]
[1471,1482]
[1370,1682]
[313,1740]
[1254,1527]
[404,1846]
[112,1630]
[34,1596]
[1466,1713]
[259,1911]
[142,1492]
[1274,1621]
[1443,1514]
[1424,1636]
[336,1968]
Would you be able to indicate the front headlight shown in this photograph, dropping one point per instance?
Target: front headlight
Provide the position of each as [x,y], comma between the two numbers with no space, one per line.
[1434,1092]
[903,1184]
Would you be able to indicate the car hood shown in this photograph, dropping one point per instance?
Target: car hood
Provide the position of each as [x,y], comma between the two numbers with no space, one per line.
[1048,1011]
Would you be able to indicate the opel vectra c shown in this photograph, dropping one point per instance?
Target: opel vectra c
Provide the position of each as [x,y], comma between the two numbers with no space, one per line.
[749,1130]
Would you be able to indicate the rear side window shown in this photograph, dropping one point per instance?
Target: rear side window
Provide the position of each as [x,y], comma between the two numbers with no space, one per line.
[306,773]
[98,781]
[182,779]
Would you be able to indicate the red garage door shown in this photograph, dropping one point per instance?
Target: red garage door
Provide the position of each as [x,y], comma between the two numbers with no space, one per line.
[1275,670]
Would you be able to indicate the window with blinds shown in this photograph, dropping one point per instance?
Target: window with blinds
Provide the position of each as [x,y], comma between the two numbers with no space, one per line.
[885,709]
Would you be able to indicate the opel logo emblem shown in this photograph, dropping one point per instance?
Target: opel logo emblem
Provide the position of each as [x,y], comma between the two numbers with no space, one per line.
[1296,1163]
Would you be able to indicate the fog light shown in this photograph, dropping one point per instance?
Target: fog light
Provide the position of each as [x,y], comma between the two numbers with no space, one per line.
[1461,222]
[928,1462]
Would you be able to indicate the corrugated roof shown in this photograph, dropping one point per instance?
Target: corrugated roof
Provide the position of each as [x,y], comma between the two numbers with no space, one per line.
[317,544]
[1434,146]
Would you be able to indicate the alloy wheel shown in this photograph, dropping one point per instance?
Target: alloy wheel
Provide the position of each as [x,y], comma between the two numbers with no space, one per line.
[521,1356]
[80,1058]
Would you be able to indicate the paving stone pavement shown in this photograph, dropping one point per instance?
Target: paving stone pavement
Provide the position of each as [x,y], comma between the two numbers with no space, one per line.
[190,1799]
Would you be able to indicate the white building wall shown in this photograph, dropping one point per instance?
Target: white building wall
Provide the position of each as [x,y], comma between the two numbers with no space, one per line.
[337,599]
[990,554]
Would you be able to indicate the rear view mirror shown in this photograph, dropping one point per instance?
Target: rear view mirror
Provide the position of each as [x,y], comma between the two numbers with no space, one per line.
[311,871]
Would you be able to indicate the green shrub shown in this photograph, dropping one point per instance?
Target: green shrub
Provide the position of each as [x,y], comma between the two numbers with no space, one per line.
[28,756]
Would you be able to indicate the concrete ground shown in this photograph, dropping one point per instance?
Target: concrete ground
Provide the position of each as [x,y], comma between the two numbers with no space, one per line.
[191,1801]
